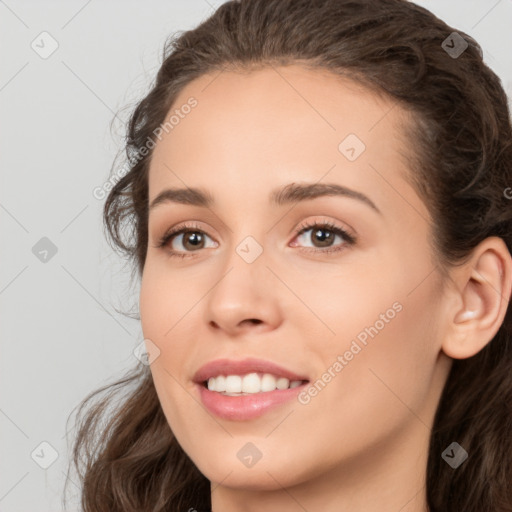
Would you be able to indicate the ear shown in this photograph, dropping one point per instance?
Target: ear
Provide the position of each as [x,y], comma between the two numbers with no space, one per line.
[480,297]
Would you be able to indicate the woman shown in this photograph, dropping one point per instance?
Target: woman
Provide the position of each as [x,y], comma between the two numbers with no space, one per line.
[317,207]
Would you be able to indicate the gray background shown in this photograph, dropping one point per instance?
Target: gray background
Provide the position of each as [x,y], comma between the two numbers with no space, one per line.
[61,336]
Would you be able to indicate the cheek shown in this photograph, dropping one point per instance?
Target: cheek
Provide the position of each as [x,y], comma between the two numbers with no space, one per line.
[382,325]
[165,311]
[389,343]
[164,300]
[382,387]
[162,305]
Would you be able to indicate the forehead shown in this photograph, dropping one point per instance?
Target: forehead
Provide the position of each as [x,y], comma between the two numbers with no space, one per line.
[255,130]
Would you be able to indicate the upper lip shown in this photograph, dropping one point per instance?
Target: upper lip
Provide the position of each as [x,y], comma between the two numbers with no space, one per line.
[243,367]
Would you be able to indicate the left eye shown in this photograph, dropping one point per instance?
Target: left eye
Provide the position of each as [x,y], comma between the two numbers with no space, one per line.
[325,235]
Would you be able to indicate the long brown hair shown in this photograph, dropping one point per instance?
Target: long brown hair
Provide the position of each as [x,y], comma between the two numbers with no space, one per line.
[461,167]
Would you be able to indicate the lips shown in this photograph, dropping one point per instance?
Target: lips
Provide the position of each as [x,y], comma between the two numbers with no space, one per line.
[246,406]
[243,367]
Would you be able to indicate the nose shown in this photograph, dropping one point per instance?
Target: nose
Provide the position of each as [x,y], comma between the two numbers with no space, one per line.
[245,298]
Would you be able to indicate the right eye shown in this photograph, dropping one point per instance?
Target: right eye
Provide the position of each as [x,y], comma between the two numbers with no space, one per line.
[190,237]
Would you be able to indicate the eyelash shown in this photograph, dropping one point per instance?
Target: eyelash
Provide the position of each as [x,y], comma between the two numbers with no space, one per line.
[327,226]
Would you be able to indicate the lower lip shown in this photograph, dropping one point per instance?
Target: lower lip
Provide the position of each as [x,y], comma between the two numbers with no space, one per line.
[245,407]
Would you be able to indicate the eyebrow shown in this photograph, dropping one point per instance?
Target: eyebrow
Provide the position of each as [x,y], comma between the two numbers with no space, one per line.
[293,192]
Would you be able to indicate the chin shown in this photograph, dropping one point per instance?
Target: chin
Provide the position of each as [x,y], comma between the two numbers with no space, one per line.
[262,476]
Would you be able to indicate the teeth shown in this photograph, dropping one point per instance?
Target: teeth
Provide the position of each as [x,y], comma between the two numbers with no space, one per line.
[233,384]
[250,383]
[268,382]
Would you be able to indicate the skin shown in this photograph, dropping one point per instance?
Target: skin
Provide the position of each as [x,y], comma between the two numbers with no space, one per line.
[361,443]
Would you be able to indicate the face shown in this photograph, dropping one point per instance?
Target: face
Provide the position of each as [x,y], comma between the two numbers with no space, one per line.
[338,292]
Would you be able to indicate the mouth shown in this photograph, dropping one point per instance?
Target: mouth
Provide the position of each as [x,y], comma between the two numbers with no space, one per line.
[244,390]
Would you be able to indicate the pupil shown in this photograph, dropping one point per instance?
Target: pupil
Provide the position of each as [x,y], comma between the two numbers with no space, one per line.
[320,234]
[194,238]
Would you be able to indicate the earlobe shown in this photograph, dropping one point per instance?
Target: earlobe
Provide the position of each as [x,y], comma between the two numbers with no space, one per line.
[483,286]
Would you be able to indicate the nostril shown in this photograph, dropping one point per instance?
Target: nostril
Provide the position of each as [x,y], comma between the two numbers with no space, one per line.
[253,321]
